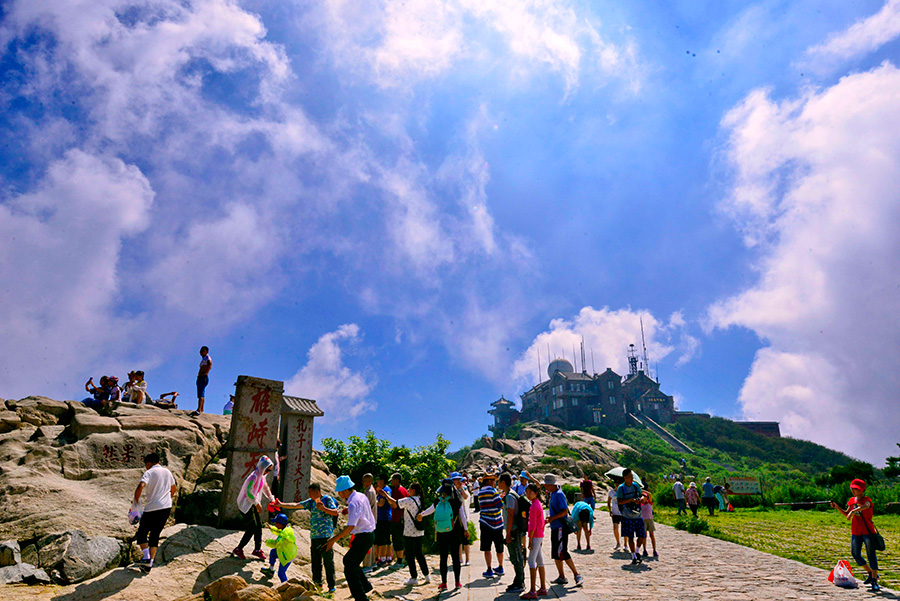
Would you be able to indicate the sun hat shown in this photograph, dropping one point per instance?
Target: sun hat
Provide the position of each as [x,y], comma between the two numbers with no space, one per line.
[456,476]
[707,478]
[523,474]
[280,519]
[857,483]
[550,479]
[343,483]
[692,485]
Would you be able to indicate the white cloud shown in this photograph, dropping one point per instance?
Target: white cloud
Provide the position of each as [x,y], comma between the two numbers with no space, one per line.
[607,334]
[60,245]
[861,38]
[341,392]
[816,185]
[401,42]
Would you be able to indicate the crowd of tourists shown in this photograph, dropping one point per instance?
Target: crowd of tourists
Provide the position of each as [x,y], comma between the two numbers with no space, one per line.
[105,396]
[386,525]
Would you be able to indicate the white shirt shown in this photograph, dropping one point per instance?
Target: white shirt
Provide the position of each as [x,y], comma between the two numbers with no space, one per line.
[359,513]
[410,506]
[613,502]
[205,361]
[678,488]
[158,482]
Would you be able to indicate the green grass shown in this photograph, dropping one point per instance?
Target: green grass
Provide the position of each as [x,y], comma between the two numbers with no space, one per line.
[816,538]
[562,451]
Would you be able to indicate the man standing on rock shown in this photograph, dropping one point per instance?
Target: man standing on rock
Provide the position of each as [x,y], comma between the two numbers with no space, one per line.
[203,377]
[360,523]
[160,486]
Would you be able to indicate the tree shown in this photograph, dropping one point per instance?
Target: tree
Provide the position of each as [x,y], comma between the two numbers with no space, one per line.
[893,466]
[427,465]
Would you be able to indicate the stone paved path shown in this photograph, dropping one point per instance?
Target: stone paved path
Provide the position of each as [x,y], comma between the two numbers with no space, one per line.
[690,567]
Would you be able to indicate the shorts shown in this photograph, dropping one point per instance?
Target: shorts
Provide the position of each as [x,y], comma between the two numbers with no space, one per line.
[559,545]
[488,536]
[649,525]
[202,383]
[617,519]
[633,527]
[383,533]
[535,558]
[584,516]
[396,535]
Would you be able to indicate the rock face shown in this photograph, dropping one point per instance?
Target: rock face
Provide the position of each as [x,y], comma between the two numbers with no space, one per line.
[10,554]
[256,592]
[64,467]
[23,573]
[72,557]
[529,451]
[224,588]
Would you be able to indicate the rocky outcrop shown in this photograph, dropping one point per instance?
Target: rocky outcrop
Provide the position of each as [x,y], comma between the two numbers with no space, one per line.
[72,557]
[534,448]
[55,455]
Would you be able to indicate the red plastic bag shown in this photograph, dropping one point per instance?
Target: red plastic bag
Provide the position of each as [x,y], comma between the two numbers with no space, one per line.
[842,575]
[730,507]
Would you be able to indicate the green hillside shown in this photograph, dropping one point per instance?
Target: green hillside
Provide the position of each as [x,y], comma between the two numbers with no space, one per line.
[790,470]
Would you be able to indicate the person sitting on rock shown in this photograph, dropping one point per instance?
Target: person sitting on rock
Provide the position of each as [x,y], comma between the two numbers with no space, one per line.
[284,546]
[99,394]
[166,400]
[139,388]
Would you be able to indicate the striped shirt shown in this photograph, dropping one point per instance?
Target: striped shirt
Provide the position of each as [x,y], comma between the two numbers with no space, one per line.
[491,508]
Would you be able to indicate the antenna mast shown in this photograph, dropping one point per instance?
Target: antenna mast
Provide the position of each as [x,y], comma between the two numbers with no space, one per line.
[644,344]
[593,370]
[575,360]
[583,368]
[539,365]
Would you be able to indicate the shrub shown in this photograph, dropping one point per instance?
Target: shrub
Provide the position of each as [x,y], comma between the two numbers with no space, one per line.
[570,491]
[692,525]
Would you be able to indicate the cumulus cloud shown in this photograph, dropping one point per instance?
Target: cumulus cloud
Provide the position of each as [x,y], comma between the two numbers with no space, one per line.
[607,334]
[816,187]
[340,391]
[863,37]
[60,244]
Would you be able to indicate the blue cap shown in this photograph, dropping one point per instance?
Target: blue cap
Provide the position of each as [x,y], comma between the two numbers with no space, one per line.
[523,474]
[343,483]
[456,476]
[280,519]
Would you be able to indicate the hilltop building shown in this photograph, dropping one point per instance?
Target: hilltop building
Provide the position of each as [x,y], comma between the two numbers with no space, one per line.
[578,399]
[571,399]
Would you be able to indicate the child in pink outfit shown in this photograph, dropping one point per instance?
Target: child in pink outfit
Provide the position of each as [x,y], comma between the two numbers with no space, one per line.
[536,524]
[649,525]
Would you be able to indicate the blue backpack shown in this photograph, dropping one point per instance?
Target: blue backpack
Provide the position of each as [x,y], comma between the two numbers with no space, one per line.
[443,516]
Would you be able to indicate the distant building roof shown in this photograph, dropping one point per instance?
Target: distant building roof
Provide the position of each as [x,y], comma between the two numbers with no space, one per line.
[501,401]
[297,406]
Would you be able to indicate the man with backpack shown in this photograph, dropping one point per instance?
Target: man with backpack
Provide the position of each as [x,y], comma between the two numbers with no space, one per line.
[323,511]
[515,520]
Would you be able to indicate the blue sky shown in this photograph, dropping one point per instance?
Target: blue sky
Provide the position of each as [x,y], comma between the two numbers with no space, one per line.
[393,206]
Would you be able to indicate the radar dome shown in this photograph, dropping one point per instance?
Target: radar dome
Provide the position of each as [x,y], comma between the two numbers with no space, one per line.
[560,365]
